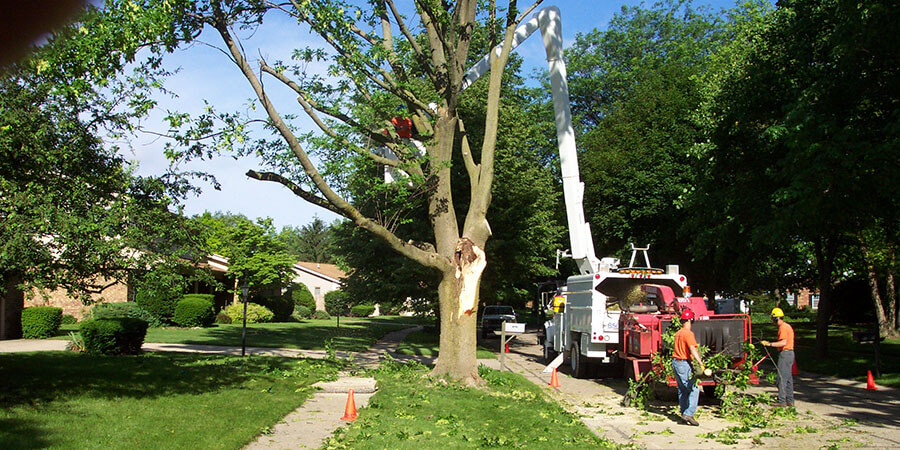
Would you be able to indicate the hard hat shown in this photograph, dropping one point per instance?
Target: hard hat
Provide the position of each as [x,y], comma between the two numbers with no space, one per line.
[777,312]
[687,314]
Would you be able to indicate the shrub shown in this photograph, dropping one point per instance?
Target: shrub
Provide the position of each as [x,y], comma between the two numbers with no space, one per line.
[194,311]
[321,315]
[221,317]
[302,297]
[112,310]
[68,319]
[362,310]
[336,302]
[255,313]
[162,307]
[115,336]
[282,306]
[40,322]
[302,312]
[140,313]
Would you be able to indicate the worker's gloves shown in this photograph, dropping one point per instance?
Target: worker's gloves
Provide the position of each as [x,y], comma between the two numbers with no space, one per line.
[766,343]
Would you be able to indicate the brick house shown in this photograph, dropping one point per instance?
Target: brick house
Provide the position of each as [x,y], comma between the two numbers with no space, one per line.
[803,298]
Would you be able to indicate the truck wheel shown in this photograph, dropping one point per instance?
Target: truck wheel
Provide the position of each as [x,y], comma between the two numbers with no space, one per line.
[578,362]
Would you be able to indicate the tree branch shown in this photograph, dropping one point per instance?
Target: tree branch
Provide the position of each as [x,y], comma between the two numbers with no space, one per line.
[321,124]
[295,188]
[471,167]
[338,204]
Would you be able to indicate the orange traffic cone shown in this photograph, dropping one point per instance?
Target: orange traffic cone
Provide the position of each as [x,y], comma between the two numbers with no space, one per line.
[870,383]
[350,409]
[794,370]
[554,382]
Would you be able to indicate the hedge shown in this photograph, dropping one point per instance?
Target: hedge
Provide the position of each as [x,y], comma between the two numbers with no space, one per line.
[255,313]
[337,302]
[68,319]
[321,315]
[302,312]
[195,310]
[282,306]
[163,308]
[362,310]
[40,322]
[124,309]
[302,297]
[112,310]
[115,336]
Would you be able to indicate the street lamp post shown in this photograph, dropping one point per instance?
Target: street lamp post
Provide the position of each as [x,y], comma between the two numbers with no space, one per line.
[245,289]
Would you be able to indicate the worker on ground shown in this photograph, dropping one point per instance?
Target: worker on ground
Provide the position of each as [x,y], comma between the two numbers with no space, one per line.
[785,360]
[685,350]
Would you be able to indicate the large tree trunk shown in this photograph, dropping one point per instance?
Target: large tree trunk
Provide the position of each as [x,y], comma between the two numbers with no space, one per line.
[892,301]
[11,305]
[885,323]
[458,295]
[824,249]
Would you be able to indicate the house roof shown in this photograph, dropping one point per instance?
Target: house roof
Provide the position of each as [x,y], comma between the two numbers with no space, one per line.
[328,271]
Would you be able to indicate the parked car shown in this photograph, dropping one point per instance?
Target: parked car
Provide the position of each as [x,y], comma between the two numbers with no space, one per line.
[493,318]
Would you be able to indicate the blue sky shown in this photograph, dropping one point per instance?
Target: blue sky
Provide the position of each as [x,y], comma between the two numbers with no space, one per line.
[205,74]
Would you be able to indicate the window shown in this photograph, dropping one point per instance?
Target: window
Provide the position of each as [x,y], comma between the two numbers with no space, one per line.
[814,299]
[318,292]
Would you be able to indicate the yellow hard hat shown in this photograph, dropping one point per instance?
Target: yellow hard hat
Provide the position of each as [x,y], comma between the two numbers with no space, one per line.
[777,312]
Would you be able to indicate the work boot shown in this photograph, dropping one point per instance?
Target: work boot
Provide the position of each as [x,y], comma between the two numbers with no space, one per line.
[790,404]
[778,405]
[689,420]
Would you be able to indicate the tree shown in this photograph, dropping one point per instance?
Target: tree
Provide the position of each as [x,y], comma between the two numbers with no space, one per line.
[634,91]
[802,148]
[254,254]
[378,62]
[73,215]
[526,228]
[311,242]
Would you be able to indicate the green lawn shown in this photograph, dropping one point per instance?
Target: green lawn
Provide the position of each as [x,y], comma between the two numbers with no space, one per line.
[425,343]
[413,411]
[157,400]
[846,358]
[355,334]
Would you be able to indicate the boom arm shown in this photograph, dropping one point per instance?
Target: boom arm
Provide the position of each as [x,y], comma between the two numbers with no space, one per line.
[548,21]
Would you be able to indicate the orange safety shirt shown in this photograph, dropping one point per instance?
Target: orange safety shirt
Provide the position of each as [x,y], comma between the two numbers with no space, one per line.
[684,340]
[786,334]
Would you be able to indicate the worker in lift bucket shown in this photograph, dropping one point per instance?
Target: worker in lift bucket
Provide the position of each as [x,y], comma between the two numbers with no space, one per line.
[685,351]
[785,360]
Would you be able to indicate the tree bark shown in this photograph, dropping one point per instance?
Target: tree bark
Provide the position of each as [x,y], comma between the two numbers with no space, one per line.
[824,250]
[11,305]
[458,296]
[885,325]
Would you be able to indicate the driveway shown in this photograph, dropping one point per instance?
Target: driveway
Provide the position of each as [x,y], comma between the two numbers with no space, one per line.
[831,412]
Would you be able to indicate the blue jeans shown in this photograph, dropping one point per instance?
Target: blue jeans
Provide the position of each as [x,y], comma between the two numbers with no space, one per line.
[688,391]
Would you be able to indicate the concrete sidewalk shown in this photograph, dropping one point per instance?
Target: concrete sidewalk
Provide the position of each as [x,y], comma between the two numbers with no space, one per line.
[367,359]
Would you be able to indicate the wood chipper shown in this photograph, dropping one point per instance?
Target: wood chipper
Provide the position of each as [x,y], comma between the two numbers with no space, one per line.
[645,323]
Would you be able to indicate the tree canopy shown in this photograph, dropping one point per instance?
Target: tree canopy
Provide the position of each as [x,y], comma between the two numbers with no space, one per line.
[74,216]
